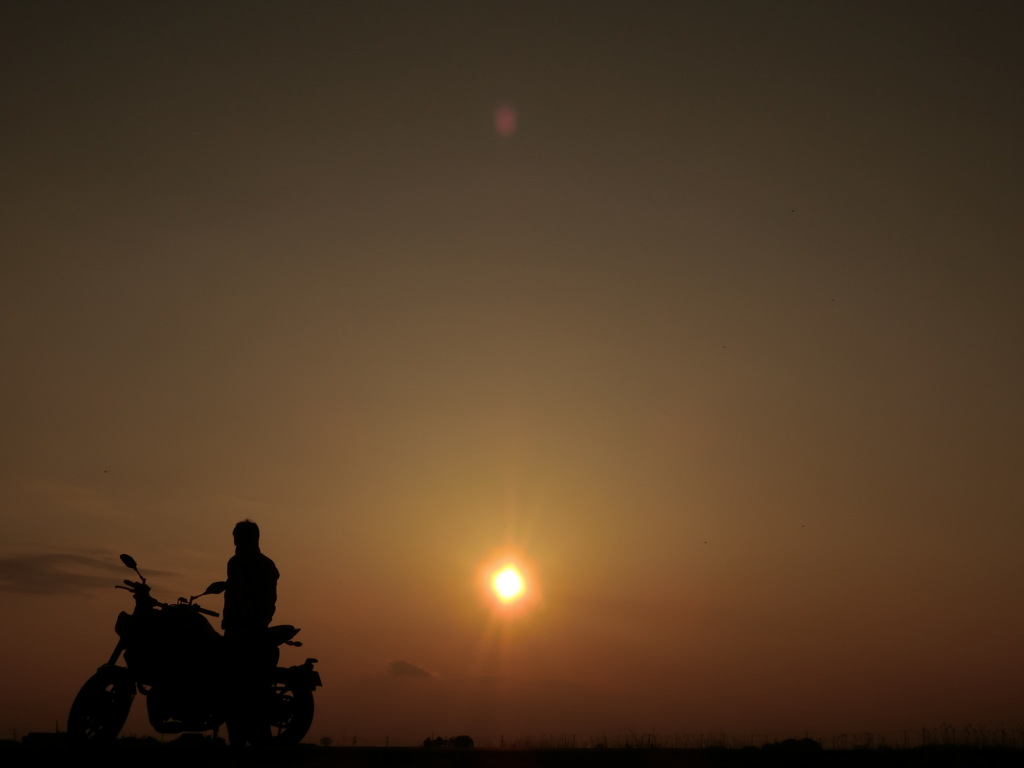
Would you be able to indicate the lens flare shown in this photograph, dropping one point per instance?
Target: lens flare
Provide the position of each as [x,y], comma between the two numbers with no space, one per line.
[505,120]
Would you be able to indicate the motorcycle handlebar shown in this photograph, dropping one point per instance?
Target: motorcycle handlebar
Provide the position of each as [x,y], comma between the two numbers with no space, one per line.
[131,586]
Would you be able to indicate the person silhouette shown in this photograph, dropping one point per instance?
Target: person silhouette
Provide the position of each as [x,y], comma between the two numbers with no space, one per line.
[251,595]
[250,600]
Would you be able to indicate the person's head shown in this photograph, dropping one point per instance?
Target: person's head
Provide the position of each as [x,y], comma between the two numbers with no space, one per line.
[246,533]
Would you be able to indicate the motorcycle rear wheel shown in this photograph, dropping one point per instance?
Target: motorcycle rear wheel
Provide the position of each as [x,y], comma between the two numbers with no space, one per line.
[291,711]
[101,707]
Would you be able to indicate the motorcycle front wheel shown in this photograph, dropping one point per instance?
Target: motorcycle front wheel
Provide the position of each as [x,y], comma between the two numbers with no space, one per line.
[101,707]
[291,711]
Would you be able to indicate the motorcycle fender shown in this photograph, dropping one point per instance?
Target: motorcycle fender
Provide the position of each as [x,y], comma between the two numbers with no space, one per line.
[303,677]
[119,675]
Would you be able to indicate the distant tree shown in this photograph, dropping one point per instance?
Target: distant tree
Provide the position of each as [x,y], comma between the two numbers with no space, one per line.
[794,745]
[462,742]
[325,741]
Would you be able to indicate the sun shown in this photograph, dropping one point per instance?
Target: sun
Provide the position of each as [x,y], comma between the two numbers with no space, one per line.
[508,584]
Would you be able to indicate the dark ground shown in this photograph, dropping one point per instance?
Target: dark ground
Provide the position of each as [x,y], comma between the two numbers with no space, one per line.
[155,755]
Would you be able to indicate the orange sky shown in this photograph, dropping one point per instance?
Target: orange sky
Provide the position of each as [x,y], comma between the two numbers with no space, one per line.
[708,314]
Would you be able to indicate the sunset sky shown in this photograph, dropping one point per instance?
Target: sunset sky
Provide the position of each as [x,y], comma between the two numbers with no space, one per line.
[708,316]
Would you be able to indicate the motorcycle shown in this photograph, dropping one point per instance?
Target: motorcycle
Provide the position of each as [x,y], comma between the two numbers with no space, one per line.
[183,666]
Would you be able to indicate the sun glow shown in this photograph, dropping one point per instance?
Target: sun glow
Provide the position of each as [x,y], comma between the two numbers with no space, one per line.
[508,584]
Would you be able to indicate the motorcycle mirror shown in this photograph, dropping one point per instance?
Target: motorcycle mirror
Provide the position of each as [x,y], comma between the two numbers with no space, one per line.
[130,562]
[216,588]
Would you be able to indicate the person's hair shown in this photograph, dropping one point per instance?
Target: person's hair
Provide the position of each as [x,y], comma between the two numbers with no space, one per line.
[246,532]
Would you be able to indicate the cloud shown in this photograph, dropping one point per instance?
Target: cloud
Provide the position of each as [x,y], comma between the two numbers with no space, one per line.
[407,669]
[58,573]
